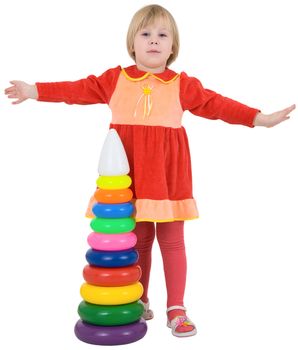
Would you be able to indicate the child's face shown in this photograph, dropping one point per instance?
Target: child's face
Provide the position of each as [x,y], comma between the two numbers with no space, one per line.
[153,46]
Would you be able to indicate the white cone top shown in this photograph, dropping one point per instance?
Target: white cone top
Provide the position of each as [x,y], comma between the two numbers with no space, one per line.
[113,160]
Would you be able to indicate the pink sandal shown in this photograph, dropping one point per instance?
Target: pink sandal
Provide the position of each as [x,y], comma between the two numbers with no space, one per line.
[179,321]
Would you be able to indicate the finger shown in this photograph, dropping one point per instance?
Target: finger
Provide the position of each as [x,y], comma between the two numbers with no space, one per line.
[284,112]
[12,96]
[9,90]
[284,119]
[289,109]
[18,101]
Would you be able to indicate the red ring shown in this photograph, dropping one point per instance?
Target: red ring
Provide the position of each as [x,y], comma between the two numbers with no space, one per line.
[112,277]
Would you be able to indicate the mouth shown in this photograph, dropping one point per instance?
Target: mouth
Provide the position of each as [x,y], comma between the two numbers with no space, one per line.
[153,51]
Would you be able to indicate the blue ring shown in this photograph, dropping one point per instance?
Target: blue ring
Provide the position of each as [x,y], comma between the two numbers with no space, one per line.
[118,258]
[119,210]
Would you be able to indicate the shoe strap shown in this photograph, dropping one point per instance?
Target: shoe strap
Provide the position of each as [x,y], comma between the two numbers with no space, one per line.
[176,307]
[146,305]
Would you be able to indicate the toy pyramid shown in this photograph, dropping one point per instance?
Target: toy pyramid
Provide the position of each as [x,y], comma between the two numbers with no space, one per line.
[111,313]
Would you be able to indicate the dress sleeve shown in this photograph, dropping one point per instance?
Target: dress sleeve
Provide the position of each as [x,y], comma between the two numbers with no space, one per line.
[209,104]
[85,91]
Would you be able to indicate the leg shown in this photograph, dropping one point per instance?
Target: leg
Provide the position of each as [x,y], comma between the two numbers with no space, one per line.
[145,232]
[170,236]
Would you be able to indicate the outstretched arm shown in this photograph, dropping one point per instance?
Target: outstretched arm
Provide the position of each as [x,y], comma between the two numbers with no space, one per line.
[84,91]
[270,120]
[208,104]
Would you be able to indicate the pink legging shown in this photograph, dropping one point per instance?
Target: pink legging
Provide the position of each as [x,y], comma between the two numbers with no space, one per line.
[170,236]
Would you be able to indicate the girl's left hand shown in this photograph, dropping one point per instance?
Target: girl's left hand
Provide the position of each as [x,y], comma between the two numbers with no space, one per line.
[269,120]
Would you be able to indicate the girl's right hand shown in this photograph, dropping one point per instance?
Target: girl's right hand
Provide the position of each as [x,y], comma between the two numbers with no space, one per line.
[21,91]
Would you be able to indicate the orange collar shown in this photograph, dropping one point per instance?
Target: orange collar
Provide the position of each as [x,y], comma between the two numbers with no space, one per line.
[134,74]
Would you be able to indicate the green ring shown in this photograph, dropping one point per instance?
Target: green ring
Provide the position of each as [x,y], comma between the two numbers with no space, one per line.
[121,225]
[110,315]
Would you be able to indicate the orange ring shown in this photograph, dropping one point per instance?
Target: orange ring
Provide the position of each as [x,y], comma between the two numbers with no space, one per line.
[112,277]
[113,196]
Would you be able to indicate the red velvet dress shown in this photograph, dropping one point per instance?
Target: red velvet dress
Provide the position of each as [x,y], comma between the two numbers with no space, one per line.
[147,112]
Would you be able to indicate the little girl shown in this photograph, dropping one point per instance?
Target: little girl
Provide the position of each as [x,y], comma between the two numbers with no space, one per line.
[147,101]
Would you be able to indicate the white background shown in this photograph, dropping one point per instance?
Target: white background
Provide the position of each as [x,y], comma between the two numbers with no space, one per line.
[242,253]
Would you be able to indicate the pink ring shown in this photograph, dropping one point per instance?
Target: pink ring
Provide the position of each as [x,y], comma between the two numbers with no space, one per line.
[103,241]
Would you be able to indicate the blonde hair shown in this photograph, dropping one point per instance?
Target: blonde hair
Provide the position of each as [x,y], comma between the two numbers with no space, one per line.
[146,16]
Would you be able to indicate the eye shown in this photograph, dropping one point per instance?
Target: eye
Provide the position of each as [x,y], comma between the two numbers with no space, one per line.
[145,34]
[163,35]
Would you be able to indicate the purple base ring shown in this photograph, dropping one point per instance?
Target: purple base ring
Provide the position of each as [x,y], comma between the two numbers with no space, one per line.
[110,335]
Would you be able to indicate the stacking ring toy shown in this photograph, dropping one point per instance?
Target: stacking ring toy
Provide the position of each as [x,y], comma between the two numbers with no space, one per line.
[112,258]
[113,196]
[113,182]
[120,210]
[103,335]
[103,241]
[110,315]
[111,295]
[111,277]
[112,225]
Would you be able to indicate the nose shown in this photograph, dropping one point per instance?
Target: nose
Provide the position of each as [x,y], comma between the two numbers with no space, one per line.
[153,41]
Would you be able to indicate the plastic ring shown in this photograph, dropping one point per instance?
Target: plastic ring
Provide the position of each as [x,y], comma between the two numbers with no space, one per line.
[111,295]
[111,277]
[112,258]
[114,182]
[120,210]
[103,241]
[103,335]
[113,225]
[110,315]
[113,196]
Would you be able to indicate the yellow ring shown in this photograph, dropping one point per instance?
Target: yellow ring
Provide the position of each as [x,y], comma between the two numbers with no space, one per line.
[111,295]
[113,182]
